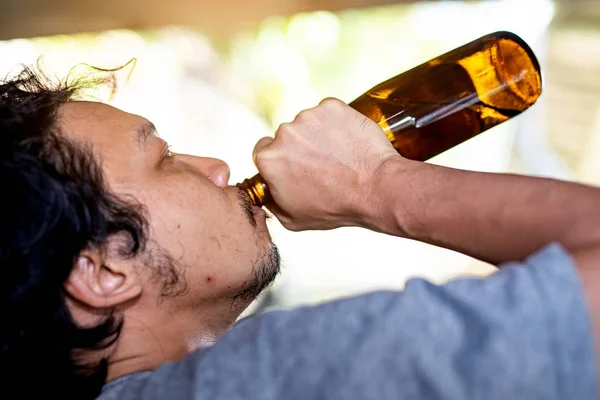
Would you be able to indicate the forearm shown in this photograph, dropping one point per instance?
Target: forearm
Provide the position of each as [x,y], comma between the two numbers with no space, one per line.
[493,217]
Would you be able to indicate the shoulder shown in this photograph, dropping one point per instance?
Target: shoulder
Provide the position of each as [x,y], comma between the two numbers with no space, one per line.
[124,387]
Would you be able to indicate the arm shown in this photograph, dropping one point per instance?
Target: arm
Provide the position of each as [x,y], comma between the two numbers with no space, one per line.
[493,217]
[333,167]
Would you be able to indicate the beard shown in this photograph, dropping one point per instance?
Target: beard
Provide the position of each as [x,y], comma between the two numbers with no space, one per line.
[265,270]
[263,274]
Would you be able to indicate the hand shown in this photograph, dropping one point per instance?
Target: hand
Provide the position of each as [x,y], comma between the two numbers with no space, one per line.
[322,167]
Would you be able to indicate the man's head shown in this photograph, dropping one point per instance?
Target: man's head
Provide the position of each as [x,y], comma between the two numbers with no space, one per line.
[113,250]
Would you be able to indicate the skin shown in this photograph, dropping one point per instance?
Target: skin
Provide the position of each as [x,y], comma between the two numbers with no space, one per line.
[198,223]
[333,167]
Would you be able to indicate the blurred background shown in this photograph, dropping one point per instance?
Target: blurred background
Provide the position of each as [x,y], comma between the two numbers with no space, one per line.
[214,78]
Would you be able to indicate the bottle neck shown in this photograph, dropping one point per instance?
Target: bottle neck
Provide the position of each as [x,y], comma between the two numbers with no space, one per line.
[257,190]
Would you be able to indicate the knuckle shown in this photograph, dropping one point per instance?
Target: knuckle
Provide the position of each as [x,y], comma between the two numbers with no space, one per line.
[303,115]
[260,157]
[331,103]
[265,157]
[284,130]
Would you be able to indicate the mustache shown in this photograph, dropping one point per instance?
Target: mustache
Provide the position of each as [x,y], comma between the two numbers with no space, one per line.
[246,204]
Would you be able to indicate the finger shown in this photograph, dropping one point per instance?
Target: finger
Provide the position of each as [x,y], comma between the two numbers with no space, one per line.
[286,126]
[330,100]
[260,146]
[278,213]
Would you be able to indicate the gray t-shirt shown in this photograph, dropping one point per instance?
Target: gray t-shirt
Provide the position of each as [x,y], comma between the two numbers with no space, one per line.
[522,333]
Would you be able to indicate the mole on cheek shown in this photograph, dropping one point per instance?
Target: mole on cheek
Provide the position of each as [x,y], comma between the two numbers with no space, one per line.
[209,279]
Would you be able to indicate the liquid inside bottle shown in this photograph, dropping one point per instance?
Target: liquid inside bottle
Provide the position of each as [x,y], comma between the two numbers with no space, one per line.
[448,100]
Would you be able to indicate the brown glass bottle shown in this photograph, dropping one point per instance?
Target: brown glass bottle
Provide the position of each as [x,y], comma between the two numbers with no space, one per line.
[448,100]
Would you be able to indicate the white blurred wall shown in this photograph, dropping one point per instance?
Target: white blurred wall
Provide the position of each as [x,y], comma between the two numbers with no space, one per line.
[206,105]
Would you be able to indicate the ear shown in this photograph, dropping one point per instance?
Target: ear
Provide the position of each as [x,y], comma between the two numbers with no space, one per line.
[102,282]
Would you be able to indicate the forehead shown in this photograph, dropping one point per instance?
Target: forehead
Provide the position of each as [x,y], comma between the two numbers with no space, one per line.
[99,123]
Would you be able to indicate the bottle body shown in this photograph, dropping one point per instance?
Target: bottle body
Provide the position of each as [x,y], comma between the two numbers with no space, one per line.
[448,100]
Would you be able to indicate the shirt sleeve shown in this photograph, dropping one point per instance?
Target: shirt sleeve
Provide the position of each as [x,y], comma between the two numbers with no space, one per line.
[522,333]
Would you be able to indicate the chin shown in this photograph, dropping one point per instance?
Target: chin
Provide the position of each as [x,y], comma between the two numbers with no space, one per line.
[263,273]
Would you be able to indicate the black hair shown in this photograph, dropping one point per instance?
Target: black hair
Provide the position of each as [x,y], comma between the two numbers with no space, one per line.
[55,204]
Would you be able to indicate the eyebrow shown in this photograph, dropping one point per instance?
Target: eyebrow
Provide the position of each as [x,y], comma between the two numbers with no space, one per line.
[144,133]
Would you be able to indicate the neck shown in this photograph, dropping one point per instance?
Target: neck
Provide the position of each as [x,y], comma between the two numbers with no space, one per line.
[149,339]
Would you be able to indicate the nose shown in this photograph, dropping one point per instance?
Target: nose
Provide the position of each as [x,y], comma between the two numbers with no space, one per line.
[214,169]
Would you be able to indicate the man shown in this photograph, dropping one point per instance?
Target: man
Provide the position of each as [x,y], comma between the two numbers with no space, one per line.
[125,266]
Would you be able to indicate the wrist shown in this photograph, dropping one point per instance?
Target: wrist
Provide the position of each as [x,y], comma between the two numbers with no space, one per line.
[392,205]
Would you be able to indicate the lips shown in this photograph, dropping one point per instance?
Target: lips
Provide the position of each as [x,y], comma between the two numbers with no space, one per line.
[258,210]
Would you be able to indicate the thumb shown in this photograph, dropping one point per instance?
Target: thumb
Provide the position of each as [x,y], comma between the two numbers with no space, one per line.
[281,215]
[259,147]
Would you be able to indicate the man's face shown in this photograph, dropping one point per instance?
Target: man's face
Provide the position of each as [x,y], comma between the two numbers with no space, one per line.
[206,226]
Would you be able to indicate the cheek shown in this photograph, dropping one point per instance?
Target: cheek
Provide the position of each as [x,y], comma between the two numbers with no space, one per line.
[197,231]
[204,230]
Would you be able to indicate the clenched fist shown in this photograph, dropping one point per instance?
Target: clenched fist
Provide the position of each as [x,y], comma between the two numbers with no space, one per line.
[322,168]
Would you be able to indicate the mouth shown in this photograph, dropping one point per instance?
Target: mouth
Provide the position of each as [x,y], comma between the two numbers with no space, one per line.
[258,211]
